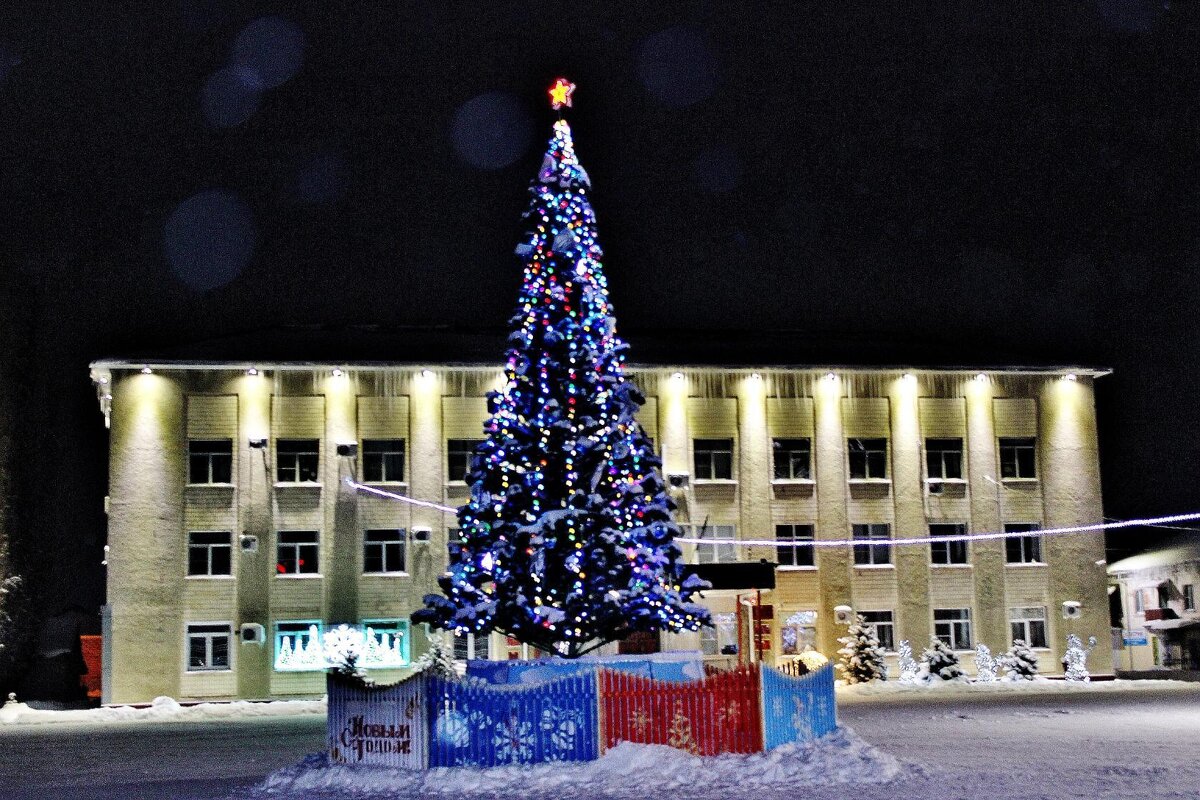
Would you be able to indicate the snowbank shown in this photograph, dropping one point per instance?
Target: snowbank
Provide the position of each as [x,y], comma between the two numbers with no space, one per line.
[626,771]
[162,709]
[1036,686]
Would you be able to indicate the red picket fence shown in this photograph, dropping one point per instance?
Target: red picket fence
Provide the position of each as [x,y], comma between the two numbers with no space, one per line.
[719,714]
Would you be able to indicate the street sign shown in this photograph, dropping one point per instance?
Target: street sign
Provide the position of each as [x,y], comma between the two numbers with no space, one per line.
[1136,637]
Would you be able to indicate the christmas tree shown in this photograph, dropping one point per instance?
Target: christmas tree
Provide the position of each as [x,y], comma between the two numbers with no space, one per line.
[1020,663]
[985,664]
[910,670]
[940,661]
[1076,658]
[861,656]
[567,542]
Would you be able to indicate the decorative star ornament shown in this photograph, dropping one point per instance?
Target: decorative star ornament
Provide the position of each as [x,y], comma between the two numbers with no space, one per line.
[560,94]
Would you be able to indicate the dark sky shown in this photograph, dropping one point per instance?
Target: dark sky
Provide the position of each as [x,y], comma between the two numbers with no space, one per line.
[991,185]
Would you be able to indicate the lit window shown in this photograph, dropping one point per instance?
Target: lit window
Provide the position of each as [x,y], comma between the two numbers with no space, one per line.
[1022,549]
[298,646]
[1189,597]
[795,545]
[297,553]
[383,551]
[1139,602]
[297,460]
[713,459]
[383,460]
[209,553]
[953,552]
[885,627]
[944,458]
[208,646]
[458,458]
[872,554]
[868,458]
[714,553]
[387,643]
[792,458]
[953,627]
[210,461]
[1018,457]
[1029,625]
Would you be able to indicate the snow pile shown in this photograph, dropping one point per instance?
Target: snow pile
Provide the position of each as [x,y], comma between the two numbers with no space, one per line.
[161,709]
[626,771]
[1037,684]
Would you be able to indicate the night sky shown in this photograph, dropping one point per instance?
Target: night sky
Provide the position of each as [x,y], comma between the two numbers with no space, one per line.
[974,185]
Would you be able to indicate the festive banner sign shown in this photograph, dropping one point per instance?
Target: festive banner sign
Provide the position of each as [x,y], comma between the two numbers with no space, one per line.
[383,726]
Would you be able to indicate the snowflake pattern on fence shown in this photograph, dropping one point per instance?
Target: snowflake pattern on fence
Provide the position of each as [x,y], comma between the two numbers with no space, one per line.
[801,724]
[514,741]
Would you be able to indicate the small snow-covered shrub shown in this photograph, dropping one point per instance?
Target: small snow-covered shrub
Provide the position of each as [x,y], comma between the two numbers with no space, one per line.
[1076,658]
[1019,663]
[940,661]
[985,664]
[812,659]
[861,656]
[437,659]
[910,670]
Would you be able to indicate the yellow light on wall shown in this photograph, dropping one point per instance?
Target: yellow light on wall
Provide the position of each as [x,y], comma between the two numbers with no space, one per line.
[1070,376]
[981,377]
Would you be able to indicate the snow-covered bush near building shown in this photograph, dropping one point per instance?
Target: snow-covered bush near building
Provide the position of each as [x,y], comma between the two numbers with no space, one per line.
[940,661]
[437,659]
[1020,663]
[1076,658]
[985,664]
[910,670]
[861,656]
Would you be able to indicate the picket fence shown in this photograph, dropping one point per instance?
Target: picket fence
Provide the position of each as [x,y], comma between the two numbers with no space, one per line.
[426,721]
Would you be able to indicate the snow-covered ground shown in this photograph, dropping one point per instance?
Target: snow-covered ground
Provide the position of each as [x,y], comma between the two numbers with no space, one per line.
[162,709]
[1038,686]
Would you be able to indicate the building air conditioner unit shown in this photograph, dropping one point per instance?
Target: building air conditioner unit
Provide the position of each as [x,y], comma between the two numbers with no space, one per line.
[678,479]
[936,487]
[252,633]
[1071,609]
[249,543]
[347,449]
[421,535]
[258,443]
[843,615]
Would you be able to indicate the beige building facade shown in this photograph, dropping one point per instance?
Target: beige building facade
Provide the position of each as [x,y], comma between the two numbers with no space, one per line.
[236,541]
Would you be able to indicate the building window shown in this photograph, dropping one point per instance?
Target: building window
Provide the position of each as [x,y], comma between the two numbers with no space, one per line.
[714,553]
[1164,595]
[709,643]
[209,553]
[872,554]
[952,552]
[798,634]
[792,459]
[210,461]
[944,458]
[387,643]
[468,646]
[713,459]
[1028,625]
[298,646]
[1022,549]
[868,458]
[458,458]
[795,545]
[885,627]
[297,553]
[297,460]
[953,626]
[1189,597]
[383,460]
[1017,457]
[1139,603]
[383,551]
[208,646]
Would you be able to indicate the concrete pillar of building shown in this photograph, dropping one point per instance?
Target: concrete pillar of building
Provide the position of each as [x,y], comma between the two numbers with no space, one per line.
[341,544]
[991,612]
[672,423]
[754,481]
[147,472]
[833,563]
[427,479]
[908,494]
[1070,475]
[254,566]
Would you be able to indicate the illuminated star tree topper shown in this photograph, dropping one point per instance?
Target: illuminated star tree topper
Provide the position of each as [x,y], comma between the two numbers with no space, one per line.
[567,542]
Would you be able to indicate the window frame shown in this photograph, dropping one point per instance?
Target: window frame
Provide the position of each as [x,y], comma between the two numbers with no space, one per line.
[717,550]
[866,555]
[1015,618]
[471,643]
[958,625]
[949,549]
[401,540]
[316,545]
[862,452]
[372,448]
[1189,597]
[1139,602]
[709,456]
[454,449]
[796,554]
[940,460]
[889,624]
[1031,538]
[209,456]
[209,637]
[297,469]
[1013,470]
[278,636]
[391,626]
[209,550]
[787,457]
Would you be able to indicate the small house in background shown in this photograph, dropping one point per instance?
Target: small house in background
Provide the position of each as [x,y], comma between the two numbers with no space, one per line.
[1160,623]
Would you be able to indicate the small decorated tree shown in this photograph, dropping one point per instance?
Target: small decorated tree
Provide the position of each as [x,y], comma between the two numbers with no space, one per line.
[1020,663]
[1076,658]
[910,670]
[940,661]
[986,666]
[861,656]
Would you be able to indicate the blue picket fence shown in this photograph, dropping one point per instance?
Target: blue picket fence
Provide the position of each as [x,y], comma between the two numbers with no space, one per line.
[797,709]
[485,726]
